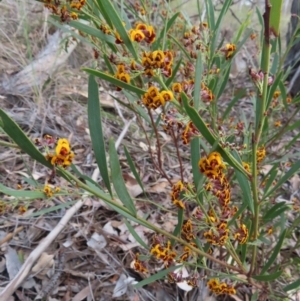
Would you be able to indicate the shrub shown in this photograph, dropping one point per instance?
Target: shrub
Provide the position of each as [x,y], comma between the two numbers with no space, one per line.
[174,76]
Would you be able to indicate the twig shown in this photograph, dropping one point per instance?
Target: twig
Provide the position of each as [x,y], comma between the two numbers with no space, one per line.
[9,236]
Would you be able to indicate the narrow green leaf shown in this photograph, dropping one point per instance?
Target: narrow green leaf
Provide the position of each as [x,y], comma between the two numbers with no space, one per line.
[118,180]
[24,194]
[108,64]
[133,169]
[178,227]
[166,28]
[135,235]
[268,278]
[94,32]
[170,80]
[224,82]
[271,176]
[275,16]
[275,211]
[51,209]
[96,132]
[101,5]
[273,89]
[108,8]
[195,157]
[114,81]
[240,94]
[295,168]
[19,137]
[198,75]
[210,14]
[246,190]
[293,286]
[157,276]
[274,254]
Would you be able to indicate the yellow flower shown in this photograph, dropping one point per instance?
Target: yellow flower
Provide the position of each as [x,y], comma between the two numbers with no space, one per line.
[136,35]
[177,88]
[48,191]
[246,166]
[277,123]
[167,95]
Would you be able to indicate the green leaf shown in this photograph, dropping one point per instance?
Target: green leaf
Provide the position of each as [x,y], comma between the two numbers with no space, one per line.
[96,132]
[267,278]
[293,286]
[118,180]
[19,137]
[275,16]
[114,81]
[195,157]
[275,211]
[210,14]
[169,24]
[295,168]
[224,82]
[240,94]
[178,227]
[51,209]
[245,189]
[135,235]
[24,194]
[198,75]
[101,5]
[274,254]
[108,9]
[133,169]
[94,32]
[271,176]
[170,80]
[157,276]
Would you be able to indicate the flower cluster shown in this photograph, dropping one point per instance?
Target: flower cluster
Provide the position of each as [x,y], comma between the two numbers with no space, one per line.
[63,155]
[154,99]
[261,154]
[50,191]
[65,11]
[228,50]
[189,132]
[142,32]
[241,234]
[187,230]
[122,75]
[188,86]
[177,189]
[213,166]
[220,287]
[157,59]
[163,252]
[138,265]
[258,78]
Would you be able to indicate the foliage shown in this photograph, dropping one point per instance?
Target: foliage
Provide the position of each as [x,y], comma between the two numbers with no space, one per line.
[174,76]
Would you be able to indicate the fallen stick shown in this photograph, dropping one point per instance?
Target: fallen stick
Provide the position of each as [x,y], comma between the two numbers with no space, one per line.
[36,253]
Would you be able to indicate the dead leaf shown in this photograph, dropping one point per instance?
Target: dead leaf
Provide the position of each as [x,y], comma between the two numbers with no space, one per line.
[44,263]
[13,263]
[159,187]
[132,185]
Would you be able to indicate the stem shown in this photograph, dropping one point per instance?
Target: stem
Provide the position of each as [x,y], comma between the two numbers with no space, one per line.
[141,221]
[260,119]
[8,144]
